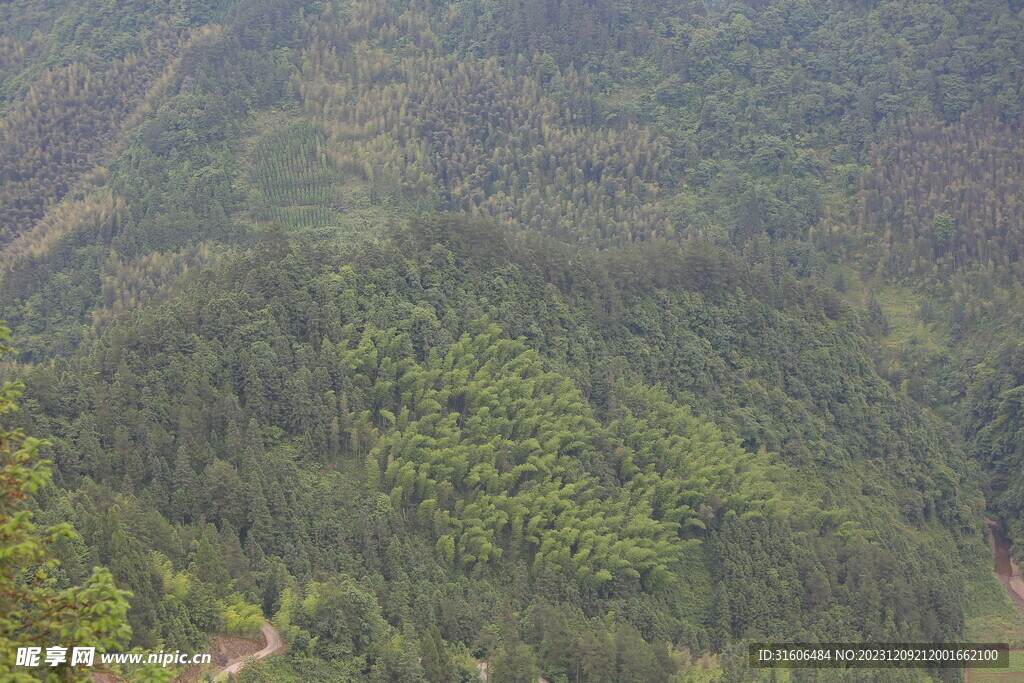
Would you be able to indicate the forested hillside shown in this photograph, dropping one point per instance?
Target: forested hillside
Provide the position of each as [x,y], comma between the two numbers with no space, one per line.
[584,339]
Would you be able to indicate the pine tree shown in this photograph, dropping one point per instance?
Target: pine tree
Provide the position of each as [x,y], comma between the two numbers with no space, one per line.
[514,662]
[437,663]
[33,611]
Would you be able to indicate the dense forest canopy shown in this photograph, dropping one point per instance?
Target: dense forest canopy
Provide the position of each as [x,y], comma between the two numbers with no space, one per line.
[586,340]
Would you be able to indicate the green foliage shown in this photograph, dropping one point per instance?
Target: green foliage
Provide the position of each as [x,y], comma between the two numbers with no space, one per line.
[43,157]
[296,182]
[424,455]
[617,400]
[241,618]
[36,610]
[995,409]
[435,658]
[490,458]
[343,619]
[514,663]
[941,202]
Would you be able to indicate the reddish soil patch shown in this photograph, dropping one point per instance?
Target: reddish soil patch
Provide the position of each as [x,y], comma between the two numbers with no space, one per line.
[225,649]
[1006,569]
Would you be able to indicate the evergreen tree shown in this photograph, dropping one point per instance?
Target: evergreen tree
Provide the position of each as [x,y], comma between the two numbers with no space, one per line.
[36,612]
[437,663]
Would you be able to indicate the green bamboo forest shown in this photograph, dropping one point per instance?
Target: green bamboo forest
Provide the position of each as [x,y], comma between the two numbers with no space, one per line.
[509,340]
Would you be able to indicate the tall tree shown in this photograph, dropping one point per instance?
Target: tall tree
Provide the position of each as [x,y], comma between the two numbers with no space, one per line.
[34,612]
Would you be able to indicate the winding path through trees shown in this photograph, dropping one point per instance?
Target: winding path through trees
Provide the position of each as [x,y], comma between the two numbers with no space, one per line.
[1006,569]
[274,645]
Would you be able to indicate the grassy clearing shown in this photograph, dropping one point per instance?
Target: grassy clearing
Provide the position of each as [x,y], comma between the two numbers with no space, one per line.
[1015,672]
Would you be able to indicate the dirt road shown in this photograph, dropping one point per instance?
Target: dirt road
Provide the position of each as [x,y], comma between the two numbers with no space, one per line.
[1006,569]
[274,644]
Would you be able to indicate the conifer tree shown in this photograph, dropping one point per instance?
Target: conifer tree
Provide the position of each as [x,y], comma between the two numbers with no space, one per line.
[34,612]
[437,663]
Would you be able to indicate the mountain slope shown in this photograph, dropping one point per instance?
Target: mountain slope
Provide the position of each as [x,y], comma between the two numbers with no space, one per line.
[556,334]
